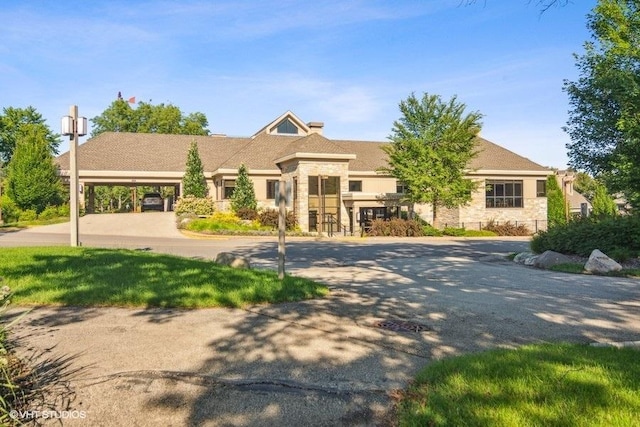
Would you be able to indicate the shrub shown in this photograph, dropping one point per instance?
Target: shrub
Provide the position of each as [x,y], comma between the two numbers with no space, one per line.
[507,229]
[456,232]
[64,210]
[10,212]
[28,215]
[269,218]
[50,212]
[201,206]
[247,214]
[617,236]
[428,230]
[396,227]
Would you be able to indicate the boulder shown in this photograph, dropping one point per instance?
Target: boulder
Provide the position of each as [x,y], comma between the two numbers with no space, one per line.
[600,263]
[526,258]
[235,261]
[550,258]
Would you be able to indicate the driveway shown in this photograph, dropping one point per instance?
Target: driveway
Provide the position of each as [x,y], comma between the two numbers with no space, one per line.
[396,305]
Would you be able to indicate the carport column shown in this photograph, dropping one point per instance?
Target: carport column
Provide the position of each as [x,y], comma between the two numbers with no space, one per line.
[92,198]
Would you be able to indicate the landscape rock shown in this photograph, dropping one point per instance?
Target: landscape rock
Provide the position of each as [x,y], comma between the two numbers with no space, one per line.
[600,263]
[235,261]
[550,258]
[526,258]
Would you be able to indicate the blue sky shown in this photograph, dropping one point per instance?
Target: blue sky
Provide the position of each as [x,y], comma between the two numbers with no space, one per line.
[345,63]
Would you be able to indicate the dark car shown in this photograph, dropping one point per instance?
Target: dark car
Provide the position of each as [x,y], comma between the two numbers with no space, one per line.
[152,202]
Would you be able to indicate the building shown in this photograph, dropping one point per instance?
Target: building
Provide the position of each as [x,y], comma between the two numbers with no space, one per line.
[335,183]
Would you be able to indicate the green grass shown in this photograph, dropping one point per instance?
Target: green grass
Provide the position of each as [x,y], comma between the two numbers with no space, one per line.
[537,385]
[578,268]
[105,277]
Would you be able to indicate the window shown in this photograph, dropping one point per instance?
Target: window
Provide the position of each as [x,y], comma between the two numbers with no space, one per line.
[287,127]
[541,188]
[229,187]
[503,194]
[401,187]
[271,188]
[355,186]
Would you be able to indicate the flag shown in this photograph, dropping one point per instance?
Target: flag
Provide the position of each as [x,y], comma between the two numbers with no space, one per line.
[132,100]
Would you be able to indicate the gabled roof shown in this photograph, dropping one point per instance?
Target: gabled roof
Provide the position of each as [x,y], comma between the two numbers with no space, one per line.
[269,128]
[122,151]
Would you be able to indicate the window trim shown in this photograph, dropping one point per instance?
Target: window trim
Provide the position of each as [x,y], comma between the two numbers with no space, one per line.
[504,194]
[357,183]
[225,186]
[271,189]
[544,191]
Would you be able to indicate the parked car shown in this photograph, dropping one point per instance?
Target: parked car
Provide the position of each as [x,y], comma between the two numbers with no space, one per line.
[152,202]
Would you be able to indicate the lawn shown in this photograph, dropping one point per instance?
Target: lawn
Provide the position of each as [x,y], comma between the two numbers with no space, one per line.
[107,277]
[536,385]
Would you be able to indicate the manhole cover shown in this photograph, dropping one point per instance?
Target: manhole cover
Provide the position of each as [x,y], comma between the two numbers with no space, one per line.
[400,326]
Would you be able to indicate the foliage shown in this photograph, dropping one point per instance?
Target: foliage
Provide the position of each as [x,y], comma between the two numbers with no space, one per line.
[602,204]
[480,233]
[10,212]
[455,232]
[148,118]
[244,195]
[78,276]
[32,178]
[431,147]
[200,206]
[507,229]
[396,227]
[428,230]
[534,385]
[247,214]
[270,217]
[28,215]
[193,182]
[15,122]
[585,185]
[556,206]
[620,234]
[604,116]
[49,212]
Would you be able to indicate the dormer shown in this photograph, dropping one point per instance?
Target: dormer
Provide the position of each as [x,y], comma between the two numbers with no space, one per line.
[289,124]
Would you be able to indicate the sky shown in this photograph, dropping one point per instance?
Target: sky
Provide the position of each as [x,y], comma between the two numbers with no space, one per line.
[345,63]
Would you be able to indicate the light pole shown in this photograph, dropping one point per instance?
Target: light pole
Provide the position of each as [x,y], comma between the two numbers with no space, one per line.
[74,126]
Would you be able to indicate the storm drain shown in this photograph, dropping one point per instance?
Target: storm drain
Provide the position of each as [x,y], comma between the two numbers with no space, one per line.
[400,326]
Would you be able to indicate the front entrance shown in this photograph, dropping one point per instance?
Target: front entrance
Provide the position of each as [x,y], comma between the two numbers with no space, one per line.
[324,204]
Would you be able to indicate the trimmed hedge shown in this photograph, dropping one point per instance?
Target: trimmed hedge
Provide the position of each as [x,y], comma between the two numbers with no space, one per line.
[201,206]
[618,237]
[395,227]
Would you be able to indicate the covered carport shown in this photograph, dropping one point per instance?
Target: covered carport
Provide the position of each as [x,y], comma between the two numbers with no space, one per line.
[89,179]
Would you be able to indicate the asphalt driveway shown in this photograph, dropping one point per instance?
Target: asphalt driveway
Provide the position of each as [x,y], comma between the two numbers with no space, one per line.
[396,305]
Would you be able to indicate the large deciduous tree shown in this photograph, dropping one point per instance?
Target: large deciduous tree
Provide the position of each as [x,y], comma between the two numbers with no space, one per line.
[14,122]
[148,118]
[244,195]
[193,182]
[32,177]
[431,147]
[604,116]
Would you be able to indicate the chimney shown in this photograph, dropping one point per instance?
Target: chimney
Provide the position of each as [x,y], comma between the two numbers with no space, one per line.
[315,127]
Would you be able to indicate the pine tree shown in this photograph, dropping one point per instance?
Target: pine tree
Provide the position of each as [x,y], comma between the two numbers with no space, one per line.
[193,182]
[244,195]
[32,176]
[602,204]
[556,209]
